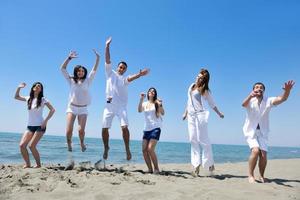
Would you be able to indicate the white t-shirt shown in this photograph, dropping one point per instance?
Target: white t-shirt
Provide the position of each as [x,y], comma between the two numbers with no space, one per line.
[151,121]
[195,101]
[79,92]
[35,115]
[258,115]
[116,86]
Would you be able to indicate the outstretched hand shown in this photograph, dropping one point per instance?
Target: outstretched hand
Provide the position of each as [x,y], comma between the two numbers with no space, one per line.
[22,85]
[144,72]
[73,54]
[108,41]
[288,85]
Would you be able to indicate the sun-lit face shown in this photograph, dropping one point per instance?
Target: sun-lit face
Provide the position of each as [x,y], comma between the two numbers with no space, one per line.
[121,68]
[37,88]
[259,90]
[199,78]
[151,93]
[80,73]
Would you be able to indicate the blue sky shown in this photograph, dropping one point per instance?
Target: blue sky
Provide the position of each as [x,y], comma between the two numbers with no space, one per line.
[239,42]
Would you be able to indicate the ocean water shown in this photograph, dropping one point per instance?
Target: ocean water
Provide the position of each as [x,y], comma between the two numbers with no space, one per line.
[53,149]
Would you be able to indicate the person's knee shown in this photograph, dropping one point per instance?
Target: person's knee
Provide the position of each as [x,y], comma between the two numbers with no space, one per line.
[255,151]
[104,130]
[263,154]
[22,145]
[124,128]
[81,131]
[151,149]
[145,149]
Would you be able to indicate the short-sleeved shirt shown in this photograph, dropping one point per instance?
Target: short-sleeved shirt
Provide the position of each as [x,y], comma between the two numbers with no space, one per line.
[258,114]
[79,92]
[35,115]
[151,120]
[116,86]
[195,100]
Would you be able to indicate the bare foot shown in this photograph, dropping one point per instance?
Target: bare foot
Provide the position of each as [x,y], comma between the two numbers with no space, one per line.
[105,154]
[196,171]
[251,179]
[83,147]
[156,172]
[263,179]
[128,154]
[37,166]
[26,166]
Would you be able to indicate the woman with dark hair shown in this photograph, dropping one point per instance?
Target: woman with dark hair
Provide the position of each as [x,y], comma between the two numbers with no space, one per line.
[197,117]
[153,111]
[79,97]
[36,126]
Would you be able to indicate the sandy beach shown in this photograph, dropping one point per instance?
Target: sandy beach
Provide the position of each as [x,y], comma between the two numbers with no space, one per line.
[129,181]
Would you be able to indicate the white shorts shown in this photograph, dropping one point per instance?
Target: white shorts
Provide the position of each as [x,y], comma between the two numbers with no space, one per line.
[110,111]
[258,141]
[77,110]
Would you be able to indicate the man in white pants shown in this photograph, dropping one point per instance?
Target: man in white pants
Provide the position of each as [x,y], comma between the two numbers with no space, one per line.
[256,127]
[116,99]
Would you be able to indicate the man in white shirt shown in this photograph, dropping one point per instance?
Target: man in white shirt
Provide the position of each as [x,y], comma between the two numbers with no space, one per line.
[256,127]
[116,97]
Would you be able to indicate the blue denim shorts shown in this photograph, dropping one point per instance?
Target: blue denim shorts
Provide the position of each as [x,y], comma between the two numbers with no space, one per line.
[33,129]
[153,134]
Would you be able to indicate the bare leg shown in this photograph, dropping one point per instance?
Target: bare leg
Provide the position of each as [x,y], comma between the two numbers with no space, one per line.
[126,138]
[252,163]
[151,150]
[147,156]
[81,129]
[262,164]
[23,147]
[69,131]
[105,140]
[35,139]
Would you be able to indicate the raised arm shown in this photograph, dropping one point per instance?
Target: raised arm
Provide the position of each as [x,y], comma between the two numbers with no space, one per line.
[17,94]
[287,89]
[160,107]
[72,55]
[142,72]
[51,112]
[107,52]
[248,98]
[97,61]
[140,106]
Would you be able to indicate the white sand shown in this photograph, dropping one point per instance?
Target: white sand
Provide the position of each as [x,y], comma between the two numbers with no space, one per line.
[130,182]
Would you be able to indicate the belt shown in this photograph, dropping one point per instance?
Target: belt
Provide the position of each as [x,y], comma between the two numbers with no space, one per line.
[78,105]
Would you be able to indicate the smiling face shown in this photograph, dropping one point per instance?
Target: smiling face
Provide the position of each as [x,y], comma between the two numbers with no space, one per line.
[37,88]
[152,94]
[122,67]
[259,89]
[80,73]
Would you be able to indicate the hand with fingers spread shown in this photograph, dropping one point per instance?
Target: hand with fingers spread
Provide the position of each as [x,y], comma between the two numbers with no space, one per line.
[73,54]
[96,53]
[288,85]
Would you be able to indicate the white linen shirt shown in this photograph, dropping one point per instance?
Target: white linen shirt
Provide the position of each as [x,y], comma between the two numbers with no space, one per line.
[35,115]
[258,114]
[151,121]
[79,92]
[116,86]
[195,101]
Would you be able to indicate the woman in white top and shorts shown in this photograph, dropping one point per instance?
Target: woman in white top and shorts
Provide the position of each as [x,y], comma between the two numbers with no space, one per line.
[79,97]
[153,111]
[36,125]
[197,117]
